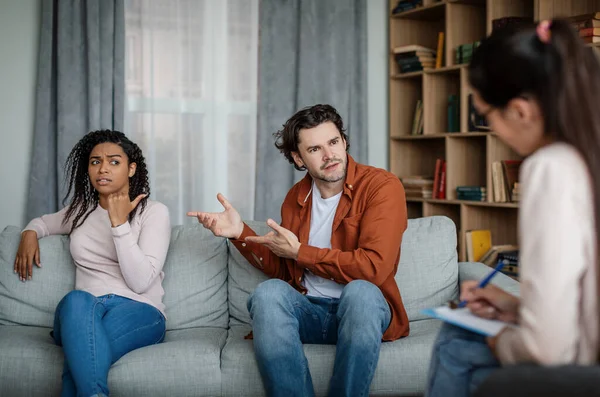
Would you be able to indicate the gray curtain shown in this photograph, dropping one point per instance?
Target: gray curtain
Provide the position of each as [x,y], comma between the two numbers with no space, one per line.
[80,87]
[311,51]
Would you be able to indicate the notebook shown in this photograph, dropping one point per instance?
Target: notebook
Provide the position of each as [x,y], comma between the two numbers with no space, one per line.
[465,319]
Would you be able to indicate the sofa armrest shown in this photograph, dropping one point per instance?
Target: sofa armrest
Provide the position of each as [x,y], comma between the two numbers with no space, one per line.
[477,271]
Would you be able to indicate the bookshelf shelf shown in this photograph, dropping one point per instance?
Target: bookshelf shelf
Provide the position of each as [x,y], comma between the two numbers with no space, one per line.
[469,155]
[462,202]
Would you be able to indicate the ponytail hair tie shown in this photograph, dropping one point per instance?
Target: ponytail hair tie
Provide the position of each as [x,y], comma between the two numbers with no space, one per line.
[543,31]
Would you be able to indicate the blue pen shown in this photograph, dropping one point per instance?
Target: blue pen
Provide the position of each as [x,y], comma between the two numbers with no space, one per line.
[486,280]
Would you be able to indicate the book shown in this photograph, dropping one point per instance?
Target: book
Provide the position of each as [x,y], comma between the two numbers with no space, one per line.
[453,113]
[413,48]
[491,257]
[416,126]
[439,60]
[465,319]
[478,244]
[436,178]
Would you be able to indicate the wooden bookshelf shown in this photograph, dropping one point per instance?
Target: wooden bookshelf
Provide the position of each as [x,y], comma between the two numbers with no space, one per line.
[468,155]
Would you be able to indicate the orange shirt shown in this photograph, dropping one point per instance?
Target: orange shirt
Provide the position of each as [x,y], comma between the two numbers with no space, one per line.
[366,237]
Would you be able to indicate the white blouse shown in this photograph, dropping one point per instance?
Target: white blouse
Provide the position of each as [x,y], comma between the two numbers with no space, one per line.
[558,314]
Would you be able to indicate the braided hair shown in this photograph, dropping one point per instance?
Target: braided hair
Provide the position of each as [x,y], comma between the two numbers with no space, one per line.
[85,198]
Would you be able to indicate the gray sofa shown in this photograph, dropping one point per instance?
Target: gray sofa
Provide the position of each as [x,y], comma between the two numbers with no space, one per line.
[206,284]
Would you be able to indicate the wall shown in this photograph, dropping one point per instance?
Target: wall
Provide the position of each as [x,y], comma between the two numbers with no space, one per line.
[19,38]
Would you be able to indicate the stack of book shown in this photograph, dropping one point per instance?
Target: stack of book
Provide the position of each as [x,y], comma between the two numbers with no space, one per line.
[505,177]
[511,262]
[418,186]
[508,254]
[471,193]
[413,58]
[588,26]
[464,52]
[405,5]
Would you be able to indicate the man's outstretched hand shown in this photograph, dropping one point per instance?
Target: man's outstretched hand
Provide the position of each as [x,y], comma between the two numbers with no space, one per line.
[222,224]
[280,241]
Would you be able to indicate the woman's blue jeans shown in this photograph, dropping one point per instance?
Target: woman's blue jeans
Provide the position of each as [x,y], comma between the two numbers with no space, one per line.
[460,362]
[95,332]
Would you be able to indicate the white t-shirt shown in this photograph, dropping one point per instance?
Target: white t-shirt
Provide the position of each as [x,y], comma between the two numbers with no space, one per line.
[321,223]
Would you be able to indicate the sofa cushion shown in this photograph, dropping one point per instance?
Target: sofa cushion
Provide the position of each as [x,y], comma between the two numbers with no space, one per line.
[427,274]
[243,279]
[195,279]
[401,370]
[33,302]
[186,364]
[31,364]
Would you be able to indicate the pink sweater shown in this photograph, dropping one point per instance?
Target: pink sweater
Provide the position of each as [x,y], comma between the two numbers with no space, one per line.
[126,260]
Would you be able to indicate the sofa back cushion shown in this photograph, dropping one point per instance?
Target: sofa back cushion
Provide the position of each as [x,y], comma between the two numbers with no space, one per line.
[427,274]
[33,302]
[243,279]
[195,281]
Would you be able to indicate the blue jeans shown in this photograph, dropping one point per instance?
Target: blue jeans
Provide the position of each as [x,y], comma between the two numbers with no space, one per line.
[95,332]
[460,362]
[283,319]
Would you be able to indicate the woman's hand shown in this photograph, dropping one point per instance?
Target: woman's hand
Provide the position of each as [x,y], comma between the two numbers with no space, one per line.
[490,302]
[119,207]
[27,254]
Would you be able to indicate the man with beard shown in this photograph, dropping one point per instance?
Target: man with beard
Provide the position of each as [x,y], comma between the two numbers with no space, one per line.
[332,261]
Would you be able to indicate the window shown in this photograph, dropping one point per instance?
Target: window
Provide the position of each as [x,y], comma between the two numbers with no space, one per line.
[191,86]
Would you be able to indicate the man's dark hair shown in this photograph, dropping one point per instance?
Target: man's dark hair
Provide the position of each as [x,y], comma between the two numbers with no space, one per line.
[85,197]
[287,139]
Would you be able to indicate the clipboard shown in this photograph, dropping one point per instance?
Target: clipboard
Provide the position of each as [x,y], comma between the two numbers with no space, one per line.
[465,319]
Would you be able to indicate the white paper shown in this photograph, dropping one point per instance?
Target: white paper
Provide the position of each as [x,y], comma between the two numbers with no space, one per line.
[465,319]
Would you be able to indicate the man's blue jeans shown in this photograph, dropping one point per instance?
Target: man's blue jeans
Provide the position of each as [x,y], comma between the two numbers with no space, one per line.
[283,319]
[460,362]
[95,332]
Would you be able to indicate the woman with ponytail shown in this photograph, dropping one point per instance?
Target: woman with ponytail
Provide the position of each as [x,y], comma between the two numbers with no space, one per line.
[539,88]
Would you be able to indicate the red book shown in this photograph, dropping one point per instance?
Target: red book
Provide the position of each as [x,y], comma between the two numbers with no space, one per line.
[436,178]
[442,192]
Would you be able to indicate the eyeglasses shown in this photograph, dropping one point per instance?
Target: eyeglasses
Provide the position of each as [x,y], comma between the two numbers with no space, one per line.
[478,121]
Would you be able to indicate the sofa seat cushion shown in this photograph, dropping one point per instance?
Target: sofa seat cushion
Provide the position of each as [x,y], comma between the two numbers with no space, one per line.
[187,361]
[401,370]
